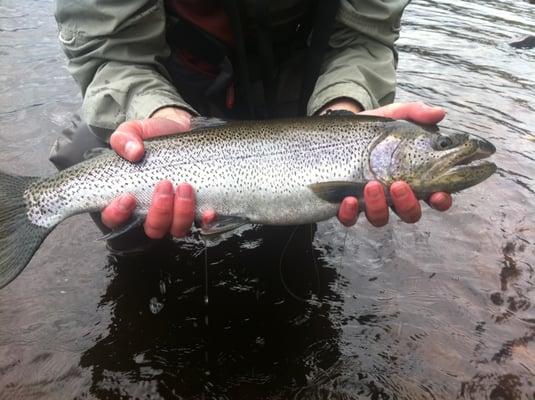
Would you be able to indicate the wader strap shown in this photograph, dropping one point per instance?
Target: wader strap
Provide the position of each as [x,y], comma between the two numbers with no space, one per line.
[322,29]
[232,11]
[265,51]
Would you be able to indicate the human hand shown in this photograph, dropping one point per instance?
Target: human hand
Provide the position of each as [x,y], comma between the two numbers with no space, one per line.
[405,203]
[342,104]
[127,140]
[170,211]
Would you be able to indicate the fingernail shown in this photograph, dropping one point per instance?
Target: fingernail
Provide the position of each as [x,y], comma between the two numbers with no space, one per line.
[208,217]
[439,201]
[426,107]
[164,188]
[375,191]
[131,149]
[400,191]
[185,122]
[127,203]
[350,207]
[439,198]
[185,191]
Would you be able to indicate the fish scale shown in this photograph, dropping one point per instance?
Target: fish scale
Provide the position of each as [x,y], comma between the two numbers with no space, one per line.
[239,169]
[278,172]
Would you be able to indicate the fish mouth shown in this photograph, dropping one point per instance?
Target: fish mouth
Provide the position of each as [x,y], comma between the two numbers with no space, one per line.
[475,159]
[484,150]
[468,169]
[478,166]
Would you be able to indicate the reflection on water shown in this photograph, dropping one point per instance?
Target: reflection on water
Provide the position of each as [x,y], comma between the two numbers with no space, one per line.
[442,309]
[250,339]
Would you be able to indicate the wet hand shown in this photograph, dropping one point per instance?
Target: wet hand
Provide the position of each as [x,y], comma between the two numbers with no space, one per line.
[405,203]
[171,211]
[127,140]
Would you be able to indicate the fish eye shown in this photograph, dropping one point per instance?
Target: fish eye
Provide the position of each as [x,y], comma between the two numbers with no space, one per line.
[443,143]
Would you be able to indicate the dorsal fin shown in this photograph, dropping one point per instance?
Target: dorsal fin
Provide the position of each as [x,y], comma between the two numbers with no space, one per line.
[343,114]
[206,122]
[432,128]
[373,118]
[209,122]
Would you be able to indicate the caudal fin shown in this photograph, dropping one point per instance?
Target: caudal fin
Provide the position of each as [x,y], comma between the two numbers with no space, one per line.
[19,238]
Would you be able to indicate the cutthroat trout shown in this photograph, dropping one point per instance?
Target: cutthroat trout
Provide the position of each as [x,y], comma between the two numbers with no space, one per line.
[278,172]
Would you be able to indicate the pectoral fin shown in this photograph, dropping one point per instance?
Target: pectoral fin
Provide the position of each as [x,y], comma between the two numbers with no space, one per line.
[336,191]
[222,224]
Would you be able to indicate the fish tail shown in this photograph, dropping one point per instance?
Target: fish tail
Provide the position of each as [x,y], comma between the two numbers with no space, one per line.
[19,238]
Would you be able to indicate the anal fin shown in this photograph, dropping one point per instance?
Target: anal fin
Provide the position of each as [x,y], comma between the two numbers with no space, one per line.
[204,123]
[222,224]
[132,223]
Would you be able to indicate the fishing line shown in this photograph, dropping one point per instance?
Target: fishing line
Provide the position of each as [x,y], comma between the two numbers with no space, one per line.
[341,259]
[206,298]
[283,282]
[314,261]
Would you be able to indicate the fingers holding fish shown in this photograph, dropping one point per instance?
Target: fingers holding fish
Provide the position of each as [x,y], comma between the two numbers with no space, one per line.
[424,114]
[160,214]
[348,211]
[440,201]
[376,206]
[127,140]
[118,211]
[169,212]
[183,211]
[415,111]
[231,153]
[208,217]
[405,202]
[176,114]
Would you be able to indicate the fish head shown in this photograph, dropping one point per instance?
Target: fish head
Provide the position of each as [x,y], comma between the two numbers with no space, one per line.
[430,161]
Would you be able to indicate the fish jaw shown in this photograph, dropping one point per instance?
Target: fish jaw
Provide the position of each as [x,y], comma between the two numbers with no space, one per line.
[431,162]
[463,176]
[463,168]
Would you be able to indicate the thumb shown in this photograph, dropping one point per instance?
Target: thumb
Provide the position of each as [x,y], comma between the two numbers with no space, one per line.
[176,114]
[127,140]
[415,111]
[155,127]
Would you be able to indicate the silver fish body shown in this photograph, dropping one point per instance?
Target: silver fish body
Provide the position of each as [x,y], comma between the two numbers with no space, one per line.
[279,172]
[255,170]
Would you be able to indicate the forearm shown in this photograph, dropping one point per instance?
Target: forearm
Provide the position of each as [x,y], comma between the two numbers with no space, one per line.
[127,92]
[342,103]
[361,62]
[115,52]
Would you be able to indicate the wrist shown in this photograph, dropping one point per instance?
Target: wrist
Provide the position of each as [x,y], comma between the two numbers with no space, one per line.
[173,113]
[342,103]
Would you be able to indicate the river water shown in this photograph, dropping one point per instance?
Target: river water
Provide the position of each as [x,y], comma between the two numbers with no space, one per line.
[438,310]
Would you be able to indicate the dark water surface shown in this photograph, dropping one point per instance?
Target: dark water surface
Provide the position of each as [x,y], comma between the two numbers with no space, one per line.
[440,310]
